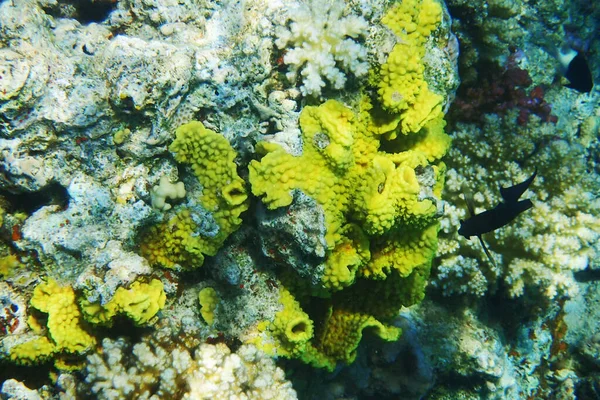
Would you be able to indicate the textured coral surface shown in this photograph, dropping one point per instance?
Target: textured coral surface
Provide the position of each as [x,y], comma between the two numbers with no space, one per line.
[207,199]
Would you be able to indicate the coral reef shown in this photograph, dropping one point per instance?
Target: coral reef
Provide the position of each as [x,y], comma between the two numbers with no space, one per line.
[208,299]
[298,151]
[500,135]
[340,152]
[374,163]
[140,303]
[376,178]
[402,87]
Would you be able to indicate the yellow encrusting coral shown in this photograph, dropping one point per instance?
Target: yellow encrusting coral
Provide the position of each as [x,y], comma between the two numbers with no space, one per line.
[290,331]
[208,299]
[319,172]
[35,351]
[376,174]
[140,303]
[410,248]
[402,87]
[173,243]
[431,139]
[8,264]
[381,192]
[181,241]
[211,158]
[344,260]
[394,230]
[66,331]
[344,330]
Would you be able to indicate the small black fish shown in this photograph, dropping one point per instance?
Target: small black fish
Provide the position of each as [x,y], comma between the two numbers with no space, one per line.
[587,275]
[497,217]
[576,69]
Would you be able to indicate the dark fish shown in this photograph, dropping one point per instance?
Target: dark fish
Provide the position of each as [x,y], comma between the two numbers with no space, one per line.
[497,217]
[587,275]
[576,69]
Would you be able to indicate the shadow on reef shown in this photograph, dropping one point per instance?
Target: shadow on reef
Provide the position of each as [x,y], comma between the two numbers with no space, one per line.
[124,327]
[84,11]
[29,202]
[589,388]
[510,315]
[31,377]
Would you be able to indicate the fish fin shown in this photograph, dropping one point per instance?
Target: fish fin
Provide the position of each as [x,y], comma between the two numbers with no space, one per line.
[512,194]
[468,195]
[522,206]
[487,252]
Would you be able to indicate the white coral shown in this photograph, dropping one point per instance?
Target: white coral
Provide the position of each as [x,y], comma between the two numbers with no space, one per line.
[247,374]
[154,372]
[320,44]
[543,248]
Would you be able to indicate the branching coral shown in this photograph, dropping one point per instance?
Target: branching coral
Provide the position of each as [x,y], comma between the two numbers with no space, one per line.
[320,43]
[542,249]
[152,371]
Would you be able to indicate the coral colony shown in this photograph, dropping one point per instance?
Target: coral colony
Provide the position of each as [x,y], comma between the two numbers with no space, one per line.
[262,199]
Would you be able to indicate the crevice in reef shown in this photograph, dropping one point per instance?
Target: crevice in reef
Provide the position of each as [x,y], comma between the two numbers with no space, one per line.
[84,11]
[29,202]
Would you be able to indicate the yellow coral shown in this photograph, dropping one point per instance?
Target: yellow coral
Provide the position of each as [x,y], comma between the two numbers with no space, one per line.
[141,302]
[344,330]
[179,241]
[432,141]
[373,175]
[392,238]
[67,333]
[35,351]
[8,264]
[402,87]
[378,189]
[413,20]
[208,303]
[290,331]
[410,249]
[35,324]
[173,243]
[319,172]
[65,324]
[348,255]
[211,157]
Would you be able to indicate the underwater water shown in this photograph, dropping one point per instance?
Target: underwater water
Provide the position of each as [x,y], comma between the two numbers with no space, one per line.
[294,199]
